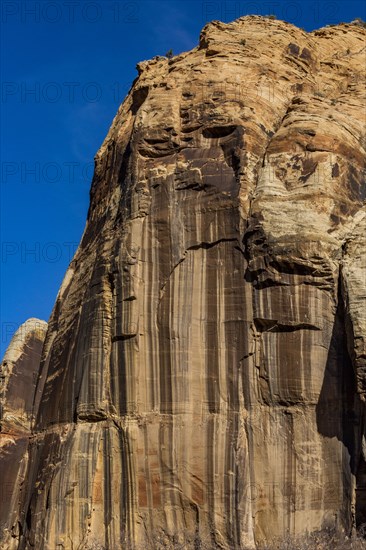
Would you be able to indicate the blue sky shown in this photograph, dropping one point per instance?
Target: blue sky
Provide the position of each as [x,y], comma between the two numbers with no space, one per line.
[65,68]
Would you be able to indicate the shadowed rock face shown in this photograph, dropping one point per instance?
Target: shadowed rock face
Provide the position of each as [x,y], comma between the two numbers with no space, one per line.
[204,371]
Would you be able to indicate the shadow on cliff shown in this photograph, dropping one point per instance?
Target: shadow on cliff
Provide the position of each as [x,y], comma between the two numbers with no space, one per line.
[339,412]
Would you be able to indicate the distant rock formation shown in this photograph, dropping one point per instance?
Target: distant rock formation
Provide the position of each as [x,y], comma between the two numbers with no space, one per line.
[204,372]
[19,371]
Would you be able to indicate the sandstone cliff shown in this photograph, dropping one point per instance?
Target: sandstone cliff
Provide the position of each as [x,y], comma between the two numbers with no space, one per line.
[204,370]
[18,376]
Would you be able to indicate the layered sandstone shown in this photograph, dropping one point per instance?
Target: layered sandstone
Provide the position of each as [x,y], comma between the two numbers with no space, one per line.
[19,371]
[204,372]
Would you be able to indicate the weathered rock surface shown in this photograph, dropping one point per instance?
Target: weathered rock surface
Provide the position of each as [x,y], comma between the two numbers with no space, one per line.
[19,371]
[204,371]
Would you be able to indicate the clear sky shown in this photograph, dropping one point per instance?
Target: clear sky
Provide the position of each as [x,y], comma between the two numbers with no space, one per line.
[66,65]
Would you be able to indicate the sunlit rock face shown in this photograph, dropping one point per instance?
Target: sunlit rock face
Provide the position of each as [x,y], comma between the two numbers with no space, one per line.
[204,372]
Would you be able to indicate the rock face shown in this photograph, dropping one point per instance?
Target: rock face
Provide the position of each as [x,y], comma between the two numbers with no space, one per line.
[18,376]
[204,371]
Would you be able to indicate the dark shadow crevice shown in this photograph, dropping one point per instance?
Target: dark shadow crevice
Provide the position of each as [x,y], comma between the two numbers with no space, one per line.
[340,412]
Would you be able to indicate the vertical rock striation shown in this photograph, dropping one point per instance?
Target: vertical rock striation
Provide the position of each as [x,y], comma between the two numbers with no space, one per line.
[204,371]
[19,371]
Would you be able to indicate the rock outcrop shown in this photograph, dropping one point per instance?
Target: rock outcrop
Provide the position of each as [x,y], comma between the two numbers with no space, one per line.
[19,371]
[204,372]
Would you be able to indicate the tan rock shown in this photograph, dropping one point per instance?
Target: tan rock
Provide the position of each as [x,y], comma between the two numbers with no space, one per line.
[203,376]
[19,371]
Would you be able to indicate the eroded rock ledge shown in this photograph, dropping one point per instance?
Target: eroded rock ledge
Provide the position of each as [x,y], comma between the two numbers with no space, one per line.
[204,371]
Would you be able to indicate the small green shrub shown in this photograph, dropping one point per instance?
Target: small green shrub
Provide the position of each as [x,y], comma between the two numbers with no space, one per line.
[169,54]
